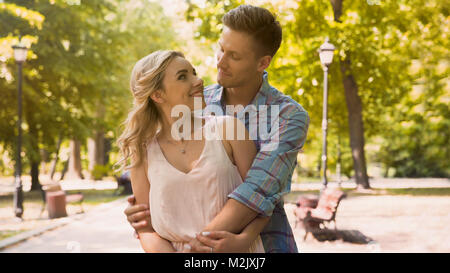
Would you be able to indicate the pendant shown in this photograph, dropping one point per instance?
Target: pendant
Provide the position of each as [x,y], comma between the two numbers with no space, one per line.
[183,151]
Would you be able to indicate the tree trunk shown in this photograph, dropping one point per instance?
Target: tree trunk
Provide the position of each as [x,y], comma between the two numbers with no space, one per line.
[107,150]
[96,151]
[44,160]
[96,144]
[55,160]
[35,183]
[33,152]
[356,127]
[337,9]
[354,107]
[74,169]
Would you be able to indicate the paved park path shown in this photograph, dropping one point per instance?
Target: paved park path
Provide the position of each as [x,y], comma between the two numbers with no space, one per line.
[395,223]
[101,230]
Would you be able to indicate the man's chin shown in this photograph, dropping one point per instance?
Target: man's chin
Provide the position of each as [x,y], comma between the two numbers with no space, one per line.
[224,83]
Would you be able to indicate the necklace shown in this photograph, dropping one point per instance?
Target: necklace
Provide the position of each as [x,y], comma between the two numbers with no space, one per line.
[183,150]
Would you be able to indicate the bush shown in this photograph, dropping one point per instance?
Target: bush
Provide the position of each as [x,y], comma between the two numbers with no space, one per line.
[100,171]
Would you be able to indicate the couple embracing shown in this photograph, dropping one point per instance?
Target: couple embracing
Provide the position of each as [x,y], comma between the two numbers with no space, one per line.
[213,180]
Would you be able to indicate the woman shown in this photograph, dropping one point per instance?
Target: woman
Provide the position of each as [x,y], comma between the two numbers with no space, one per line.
[185,182]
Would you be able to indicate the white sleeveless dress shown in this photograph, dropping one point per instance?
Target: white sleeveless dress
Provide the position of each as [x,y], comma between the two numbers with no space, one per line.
[182,204]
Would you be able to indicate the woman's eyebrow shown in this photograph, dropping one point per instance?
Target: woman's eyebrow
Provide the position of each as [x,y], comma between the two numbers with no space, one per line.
[181,71]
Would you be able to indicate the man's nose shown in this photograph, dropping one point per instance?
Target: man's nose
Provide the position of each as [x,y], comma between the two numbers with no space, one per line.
[221,60]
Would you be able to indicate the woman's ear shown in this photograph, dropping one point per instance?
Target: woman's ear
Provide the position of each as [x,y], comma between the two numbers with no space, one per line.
[264,63]
[157,96]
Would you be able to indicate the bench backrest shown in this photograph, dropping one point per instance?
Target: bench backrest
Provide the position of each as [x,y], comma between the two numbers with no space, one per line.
[330,198]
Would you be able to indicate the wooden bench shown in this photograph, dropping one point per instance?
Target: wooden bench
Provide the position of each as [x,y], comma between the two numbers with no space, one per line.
[55,199]
[314,219]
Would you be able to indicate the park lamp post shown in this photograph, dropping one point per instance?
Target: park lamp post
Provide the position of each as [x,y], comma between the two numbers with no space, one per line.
[326,52]
[20,55]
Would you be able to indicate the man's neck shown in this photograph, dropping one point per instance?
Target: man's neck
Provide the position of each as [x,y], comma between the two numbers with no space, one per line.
[243,95]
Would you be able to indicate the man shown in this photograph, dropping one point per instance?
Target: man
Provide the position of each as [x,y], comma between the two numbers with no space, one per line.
[250,38]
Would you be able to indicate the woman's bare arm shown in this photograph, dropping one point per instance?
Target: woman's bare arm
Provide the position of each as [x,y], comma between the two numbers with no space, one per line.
[149,239]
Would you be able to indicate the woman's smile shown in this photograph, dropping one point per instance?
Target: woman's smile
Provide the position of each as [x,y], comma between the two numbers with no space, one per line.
[197,93]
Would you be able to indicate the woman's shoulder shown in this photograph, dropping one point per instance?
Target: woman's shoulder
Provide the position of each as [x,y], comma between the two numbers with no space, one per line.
[221,119]
[228,127]
[150,149]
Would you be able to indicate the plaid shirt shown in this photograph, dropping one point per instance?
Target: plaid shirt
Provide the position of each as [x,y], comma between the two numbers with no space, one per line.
[269,177]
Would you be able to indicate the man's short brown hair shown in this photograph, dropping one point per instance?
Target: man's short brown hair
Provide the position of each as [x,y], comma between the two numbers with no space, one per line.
[259,23]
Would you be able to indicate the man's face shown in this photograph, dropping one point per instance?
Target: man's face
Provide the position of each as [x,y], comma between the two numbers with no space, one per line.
[236,59]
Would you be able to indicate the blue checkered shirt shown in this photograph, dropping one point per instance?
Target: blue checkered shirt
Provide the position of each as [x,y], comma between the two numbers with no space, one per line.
[269,177]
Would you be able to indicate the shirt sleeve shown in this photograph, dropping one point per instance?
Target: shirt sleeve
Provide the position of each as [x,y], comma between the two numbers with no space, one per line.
[269,177]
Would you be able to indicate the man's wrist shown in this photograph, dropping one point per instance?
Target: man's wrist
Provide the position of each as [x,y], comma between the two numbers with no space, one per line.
[245,236]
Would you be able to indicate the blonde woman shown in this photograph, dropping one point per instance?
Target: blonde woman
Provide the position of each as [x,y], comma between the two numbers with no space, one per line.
[184,181]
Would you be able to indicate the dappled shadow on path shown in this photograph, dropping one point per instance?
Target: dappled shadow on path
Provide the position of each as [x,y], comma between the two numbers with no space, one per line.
[350,236]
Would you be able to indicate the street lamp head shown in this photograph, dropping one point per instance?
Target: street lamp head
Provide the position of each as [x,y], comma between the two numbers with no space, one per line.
[326,52]
[20,52]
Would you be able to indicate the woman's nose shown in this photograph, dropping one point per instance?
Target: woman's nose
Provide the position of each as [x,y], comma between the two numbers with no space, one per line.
[198,81]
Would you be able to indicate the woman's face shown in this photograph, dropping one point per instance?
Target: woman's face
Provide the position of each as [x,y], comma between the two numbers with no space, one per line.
[181,85]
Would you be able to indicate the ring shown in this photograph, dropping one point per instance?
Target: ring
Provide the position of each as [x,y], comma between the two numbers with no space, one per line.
[211,249]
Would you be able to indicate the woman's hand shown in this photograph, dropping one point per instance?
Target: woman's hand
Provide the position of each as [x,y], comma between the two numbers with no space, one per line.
[195,246]
[221,242]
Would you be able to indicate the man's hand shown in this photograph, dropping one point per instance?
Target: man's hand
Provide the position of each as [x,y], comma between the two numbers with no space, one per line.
[137,215]
[220,242]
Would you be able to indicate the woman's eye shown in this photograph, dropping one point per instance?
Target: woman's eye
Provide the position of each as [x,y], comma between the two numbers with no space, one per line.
[182,77]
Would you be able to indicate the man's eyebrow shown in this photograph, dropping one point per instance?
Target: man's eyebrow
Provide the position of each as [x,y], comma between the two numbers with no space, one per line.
[231,51]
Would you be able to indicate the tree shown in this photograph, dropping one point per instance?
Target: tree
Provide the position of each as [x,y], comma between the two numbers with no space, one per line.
[32,19]
[81,61]
[376,41]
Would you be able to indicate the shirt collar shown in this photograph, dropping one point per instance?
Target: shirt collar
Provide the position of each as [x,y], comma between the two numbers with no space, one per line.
[259,99]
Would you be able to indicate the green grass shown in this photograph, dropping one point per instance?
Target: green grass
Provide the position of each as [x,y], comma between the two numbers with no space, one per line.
[33,197]
[419,192]
[97,197]
[308,179]
[292,196]
[9,233]
[91,197]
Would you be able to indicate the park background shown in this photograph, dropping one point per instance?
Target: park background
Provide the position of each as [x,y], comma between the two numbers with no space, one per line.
[388,105]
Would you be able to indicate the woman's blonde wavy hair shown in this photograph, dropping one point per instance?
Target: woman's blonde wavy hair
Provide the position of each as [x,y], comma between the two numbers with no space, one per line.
[144,118]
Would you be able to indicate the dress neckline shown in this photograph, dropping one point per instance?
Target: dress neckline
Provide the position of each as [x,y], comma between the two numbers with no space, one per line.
[196,162]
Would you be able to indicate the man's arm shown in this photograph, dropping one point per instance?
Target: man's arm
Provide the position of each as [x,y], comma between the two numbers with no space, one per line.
[227,242]
[269,176]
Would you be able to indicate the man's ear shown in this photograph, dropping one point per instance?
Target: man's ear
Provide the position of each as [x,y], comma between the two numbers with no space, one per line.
[157,96]
[264,63]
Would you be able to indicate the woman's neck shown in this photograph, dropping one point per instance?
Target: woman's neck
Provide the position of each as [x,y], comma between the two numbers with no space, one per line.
[169,122]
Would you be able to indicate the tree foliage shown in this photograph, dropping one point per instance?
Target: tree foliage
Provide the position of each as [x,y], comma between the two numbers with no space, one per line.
[76,77]
[384,40]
